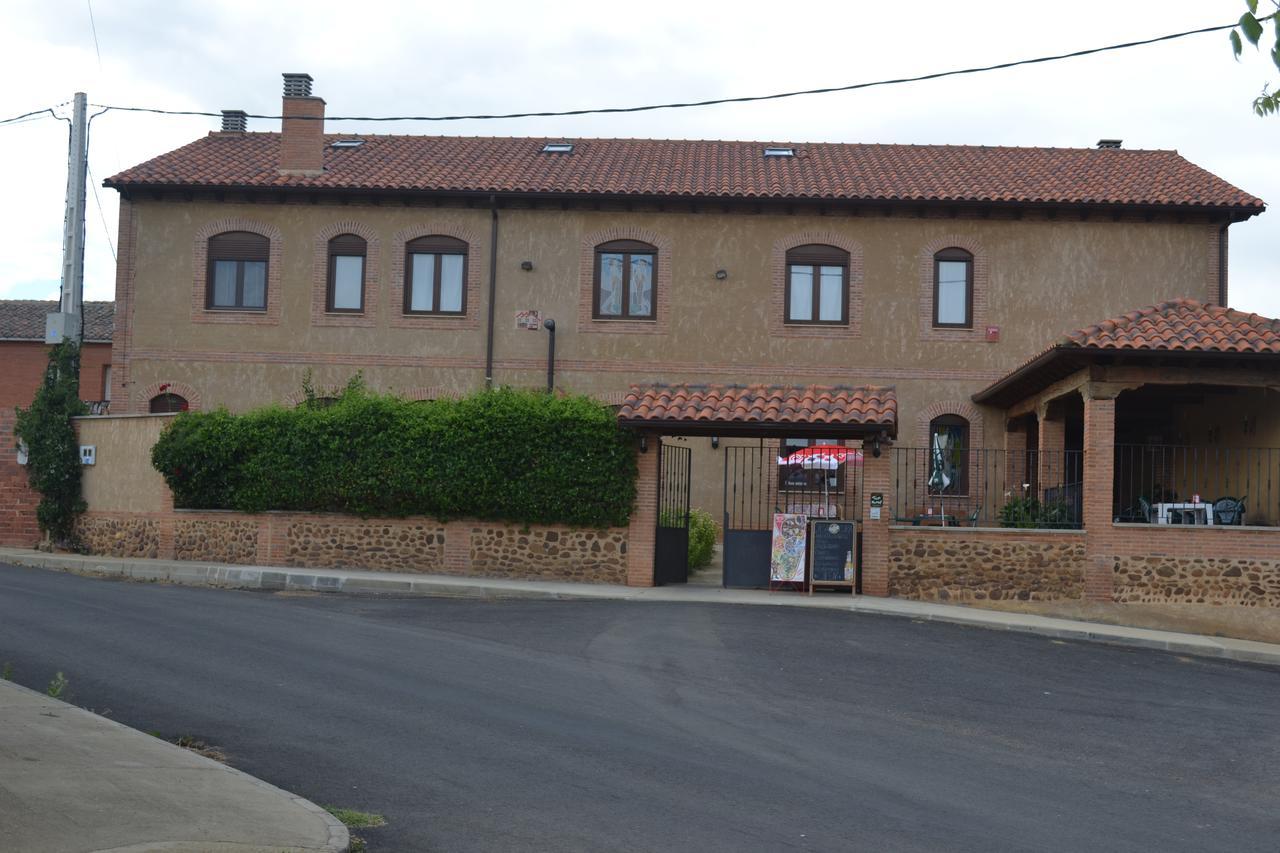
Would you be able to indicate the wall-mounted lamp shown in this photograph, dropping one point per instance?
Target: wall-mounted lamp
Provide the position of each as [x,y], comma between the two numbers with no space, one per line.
[721,275]
[644,443]
[715,442]
[527,266]
[875,446]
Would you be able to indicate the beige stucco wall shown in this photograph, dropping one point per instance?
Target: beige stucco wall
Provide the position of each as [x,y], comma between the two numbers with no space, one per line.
[1045,277]
[122,480]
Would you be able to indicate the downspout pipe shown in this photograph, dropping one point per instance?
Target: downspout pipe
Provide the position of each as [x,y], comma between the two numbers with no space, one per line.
[493,289]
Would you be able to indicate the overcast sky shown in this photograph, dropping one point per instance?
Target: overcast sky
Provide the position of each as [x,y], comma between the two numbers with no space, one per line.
[378,57]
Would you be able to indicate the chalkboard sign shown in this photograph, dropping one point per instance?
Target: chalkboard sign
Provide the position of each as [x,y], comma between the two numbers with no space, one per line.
[831,556]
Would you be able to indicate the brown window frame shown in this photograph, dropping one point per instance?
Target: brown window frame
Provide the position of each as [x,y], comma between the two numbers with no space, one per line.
[961,487]
[168,406]
[954,254]
[346,246]
[233,246]
[626,248]
[815,256]
[438,245]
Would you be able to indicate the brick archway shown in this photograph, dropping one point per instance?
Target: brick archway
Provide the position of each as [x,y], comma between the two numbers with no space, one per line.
[182,389]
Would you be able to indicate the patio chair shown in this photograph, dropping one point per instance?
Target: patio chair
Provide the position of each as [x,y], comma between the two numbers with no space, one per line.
[1144,507]
[973,517]
[1229,511]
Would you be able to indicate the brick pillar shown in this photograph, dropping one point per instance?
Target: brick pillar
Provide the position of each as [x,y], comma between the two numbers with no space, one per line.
[644,517]
[1049,460]
[1015,445]
[457,547]
[877,478]
[1099,467]
[167,523]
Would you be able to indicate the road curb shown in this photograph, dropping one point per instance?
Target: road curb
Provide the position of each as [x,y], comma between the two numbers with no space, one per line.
[281,579]
[339,838]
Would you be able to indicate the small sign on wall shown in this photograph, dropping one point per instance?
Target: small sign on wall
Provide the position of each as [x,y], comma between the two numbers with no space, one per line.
[530,319]
[88,454]
[993,334]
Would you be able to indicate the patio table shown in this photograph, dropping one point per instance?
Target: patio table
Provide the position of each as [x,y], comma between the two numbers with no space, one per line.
[1200,513]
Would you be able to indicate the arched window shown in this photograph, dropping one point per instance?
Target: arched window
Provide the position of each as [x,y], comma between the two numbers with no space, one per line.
[953,289]
[948,455]
[237,271]
[164,404]
[625,273]
[435,276]
[345,291]
[817,285]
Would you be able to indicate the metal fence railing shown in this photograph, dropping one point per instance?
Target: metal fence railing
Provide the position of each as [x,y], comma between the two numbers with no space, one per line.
[756,486]
[971,487]
[1188,484]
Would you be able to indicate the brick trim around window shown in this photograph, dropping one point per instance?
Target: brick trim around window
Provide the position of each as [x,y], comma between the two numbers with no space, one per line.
[778,327]
[477,267]
[182,389]
[928,332]
[587,282]
[320,276]
[962,408]
[200,312]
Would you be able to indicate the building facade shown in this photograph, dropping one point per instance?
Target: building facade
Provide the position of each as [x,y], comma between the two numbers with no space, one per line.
[430,265]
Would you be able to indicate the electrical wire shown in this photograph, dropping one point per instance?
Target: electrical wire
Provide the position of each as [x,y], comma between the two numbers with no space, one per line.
[31,116]
[712,101]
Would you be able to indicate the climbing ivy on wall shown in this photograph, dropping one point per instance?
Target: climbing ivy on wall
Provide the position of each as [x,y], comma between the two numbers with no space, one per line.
[53,454]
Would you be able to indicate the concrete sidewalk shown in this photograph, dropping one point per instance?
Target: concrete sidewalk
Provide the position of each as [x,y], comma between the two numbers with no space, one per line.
[337,580]
[73,781]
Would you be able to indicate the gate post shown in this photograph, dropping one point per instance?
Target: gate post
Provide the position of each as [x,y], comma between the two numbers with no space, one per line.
[642,530]
[876,479]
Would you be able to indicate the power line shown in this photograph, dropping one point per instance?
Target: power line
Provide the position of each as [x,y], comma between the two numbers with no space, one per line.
[106,230]
[713,101]
[93,26]
[50,110]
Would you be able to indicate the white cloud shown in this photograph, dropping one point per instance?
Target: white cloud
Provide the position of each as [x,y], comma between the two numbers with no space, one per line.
[413,58]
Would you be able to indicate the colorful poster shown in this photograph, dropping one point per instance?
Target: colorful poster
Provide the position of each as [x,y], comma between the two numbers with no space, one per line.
[786,562]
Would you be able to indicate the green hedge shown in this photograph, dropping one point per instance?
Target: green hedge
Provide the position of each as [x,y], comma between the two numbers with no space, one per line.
[524,457]
[702,538]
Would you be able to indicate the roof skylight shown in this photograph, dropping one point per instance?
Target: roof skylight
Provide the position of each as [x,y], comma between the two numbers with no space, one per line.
[346,143]
[558,148]
[779,151]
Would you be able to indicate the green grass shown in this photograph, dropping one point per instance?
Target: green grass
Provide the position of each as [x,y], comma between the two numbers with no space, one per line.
[357,820]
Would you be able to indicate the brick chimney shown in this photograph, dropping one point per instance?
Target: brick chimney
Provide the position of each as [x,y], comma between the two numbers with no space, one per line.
[302,130]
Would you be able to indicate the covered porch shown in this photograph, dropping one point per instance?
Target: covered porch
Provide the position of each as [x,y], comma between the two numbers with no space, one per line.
[1174,412]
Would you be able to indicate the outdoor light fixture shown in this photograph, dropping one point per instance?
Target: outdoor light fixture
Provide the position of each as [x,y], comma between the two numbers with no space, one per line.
[875,446]
[644,443]
[715,439]
[721,275]
[526,265]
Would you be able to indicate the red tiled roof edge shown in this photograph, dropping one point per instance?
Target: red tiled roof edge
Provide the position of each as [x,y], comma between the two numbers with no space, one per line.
[759,404]
[707,169]
[1181,324]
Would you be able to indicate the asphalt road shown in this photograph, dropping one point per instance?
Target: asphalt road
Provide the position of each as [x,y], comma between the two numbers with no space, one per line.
[535,725]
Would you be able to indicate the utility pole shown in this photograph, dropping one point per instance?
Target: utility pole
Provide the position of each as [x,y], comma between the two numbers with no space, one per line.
[68,322]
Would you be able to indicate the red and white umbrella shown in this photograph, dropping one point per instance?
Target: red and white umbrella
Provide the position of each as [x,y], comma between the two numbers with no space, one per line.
[824,457]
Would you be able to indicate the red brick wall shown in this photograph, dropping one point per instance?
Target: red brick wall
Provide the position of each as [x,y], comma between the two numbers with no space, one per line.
[24,363]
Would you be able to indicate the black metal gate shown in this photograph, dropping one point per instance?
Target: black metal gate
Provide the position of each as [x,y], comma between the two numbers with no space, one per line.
[671,545]
[756,486]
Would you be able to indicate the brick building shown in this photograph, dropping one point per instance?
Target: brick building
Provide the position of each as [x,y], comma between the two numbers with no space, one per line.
[25,356]
[748,272]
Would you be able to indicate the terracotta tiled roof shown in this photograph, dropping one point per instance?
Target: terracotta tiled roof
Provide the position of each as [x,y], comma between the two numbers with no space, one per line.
[1182,324]
[706,169]
[23,319]
[1179,325]
[759,405]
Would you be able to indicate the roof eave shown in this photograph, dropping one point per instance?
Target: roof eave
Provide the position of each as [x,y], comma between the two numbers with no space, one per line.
[1237,213]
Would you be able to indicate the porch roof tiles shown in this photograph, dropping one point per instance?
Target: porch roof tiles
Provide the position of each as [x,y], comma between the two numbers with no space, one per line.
[761,409]
[1177,328]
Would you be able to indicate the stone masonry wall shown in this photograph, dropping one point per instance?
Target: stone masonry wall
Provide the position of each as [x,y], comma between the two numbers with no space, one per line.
[119,537]
[596,556]
[399,545]
[1163,579]
[976,565]
[215,540]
